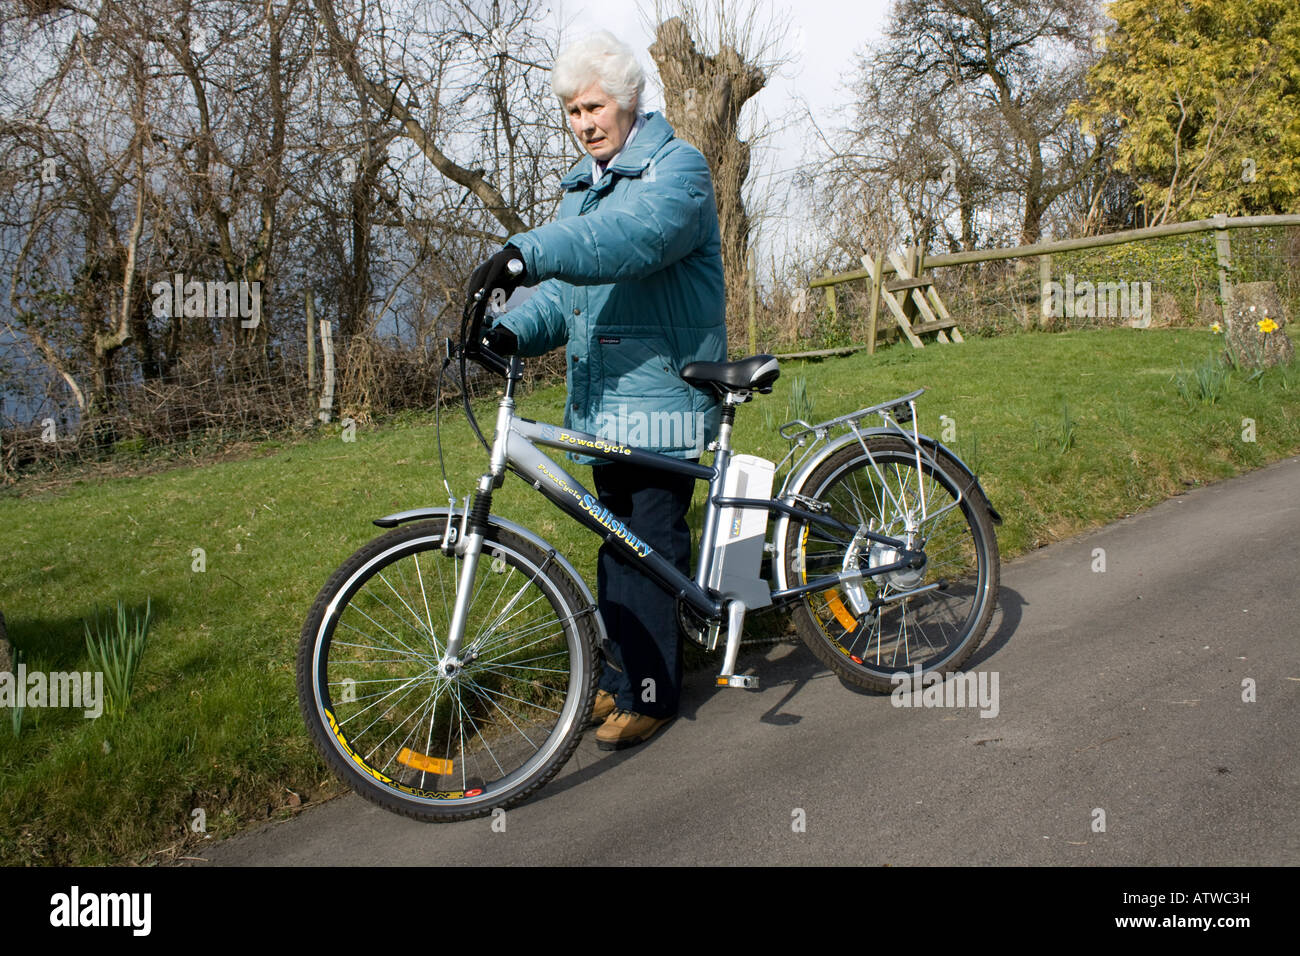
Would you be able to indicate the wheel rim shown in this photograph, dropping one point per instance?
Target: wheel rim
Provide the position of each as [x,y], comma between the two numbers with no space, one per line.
[462,741]
[924,631]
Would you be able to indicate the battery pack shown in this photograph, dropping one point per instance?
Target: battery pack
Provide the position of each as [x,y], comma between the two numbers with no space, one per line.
[741,533]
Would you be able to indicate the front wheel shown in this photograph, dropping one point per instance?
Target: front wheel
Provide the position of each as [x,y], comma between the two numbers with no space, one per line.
[865,631]
[401,731]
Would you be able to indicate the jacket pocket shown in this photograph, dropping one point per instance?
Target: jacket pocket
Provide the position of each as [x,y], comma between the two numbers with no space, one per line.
[636,365]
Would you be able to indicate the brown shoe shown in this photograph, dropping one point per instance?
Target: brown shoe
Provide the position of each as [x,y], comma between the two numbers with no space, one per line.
[623,728]
[602,708]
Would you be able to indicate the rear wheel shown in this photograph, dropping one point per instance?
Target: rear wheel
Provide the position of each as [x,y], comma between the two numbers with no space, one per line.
[416,736]
[867,632]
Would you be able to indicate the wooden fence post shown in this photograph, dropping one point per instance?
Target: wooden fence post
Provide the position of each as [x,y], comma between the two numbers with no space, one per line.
[830,303]
[1223,249]
[1045,291]
[873,266]
[327,352]
[311,350]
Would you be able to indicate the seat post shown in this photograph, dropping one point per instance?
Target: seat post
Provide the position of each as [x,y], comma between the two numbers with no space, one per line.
[721,448]
[728,419]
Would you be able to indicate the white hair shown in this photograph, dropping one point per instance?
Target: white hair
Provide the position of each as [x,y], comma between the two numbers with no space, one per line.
[599,58]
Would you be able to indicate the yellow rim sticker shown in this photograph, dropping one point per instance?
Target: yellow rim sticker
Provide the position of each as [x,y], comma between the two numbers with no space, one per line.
[343,741]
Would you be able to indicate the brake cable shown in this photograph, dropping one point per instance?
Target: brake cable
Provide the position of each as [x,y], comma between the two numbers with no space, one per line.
[465,324]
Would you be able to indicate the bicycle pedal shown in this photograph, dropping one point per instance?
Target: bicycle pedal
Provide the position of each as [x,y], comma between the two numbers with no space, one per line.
[747,681]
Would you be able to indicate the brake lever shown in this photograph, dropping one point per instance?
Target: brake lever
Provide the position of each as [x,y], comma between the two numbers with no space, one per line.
[474,347]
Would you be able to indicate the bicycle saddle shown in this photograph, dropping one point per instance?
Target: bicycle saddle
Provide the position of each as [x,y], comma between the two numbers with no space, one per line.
[756,373]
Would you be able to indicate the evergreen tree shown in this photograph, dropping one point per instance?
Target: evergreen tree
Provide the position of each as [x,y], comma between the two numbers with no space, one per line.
[1206,94]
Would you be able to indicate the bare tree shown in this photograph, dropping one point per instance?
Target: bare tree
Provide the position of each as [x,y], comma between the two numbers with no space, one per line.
[505,40]
[1026,59]
[369,154]
[87,193]
[934,158]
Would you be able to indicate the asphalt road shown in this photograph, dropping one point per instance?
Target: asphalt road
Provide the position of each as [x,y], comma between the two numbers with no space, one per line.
[1121,737]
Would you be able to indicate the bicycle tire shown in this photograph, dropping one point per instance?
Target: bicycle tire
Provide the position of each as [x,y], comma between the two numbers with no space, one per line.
[937,630]
[397,731]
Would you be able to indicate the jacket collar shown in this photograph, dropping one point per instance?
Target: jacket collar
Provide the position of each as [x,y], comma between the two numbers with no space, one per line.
[632,161]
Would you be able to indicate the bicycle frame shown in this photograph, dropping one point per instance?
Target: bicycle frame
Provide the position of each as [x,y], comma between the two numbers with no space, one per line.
[478,678]
[517,447]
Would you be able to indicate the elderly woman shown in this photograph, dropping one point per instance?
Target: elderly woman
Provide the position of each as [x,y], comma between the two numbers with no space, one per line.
[631,283]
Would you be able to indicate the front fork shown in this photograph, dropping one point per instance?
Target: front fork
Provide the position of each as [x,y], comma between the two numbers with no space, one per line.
[469,544]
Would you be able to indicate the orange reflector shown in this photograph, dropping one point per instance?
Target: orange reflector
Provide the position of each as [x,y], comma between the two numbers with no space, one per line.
[847,620]
[423,762]
[722,682]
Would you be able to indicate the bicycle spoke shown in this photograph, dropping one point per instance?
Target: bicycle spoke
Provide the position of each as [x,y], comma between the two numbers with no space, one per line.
[357,608]
[414,615]
[473,688]
[469,717]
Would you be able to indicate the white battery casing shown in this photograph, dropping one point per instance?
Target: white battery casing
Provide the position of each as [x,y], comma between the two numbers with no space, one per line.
[741,533]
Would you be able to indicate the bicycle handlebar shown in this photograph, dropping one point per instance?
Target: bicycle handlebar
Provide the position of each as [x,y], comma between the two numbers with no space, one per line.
[471,330]
[472,347]
[475,311]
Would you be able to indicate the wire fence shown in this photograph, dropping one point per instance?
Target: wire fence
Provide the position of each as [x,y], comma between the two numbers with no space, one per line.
[1161,282]
[214,396]
[221,394]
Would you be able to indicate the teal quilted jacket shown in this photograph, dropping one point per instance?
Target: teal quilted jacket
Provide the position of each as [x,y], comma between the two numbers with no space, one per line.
[631,282]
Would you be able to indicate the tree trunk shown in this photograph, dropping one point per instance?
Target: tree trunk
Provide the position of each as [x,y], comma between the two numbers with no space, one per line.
[704,96]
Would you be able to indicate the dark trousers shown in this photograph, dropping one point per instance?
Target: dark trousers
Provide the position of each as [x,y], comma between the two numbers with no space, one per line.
[640,616]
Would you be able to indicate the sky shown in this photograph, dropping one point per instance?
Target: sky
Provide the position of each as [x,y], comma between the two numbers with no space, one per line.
[822,42]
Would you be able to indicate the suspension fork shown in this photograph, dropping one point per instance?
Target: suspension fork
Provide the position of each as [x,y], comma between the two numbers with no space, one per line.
[469,546]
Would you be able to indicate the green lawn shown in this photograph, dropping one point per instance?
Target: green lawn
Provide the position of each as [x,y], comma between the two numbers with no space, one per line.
[214,725]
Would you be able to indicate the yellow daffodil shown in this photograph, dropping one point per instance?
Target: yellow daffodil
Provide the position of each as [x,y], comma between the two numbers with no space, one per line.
[1267,325]
[1216,328]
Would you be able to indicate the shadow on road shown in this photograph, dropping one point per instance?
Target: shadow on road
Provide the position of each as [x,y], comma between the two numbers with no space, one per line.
[793,671]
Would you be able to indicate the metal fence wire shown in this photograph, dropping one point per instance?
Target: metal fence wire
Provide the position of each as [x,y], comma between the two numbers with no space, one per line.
[1161,282]
[216,395]
[211,397]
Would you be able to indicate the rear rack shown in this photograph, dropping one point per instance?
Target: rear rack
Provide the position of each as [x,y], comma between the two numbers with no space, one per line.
[822,429]
[801,435]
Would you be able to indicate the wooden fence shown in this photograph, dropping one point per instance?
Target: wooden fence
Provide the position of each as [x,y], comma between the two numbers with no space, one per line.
[876,270]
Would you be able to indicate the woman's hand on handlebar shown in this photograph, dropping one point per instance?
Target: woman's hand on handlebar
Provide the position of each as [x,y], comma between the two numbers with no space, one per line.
[504,271]
[489,343]
[497,338]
